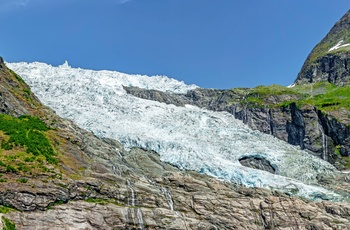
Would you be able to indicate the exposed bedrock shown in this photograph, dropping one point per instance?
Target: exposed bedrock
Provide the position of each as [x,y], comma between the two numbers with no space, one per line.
[151,194]
[332,68]
[257,163]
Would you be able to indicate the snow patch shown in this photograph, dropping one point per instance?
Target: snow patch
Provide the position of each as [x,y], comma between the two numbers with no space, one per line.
[291,86]
[338,46]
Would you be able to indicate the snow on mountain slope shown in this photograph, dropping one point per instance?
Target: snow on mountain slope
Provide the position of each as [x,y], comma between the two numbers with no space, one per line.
[188,137]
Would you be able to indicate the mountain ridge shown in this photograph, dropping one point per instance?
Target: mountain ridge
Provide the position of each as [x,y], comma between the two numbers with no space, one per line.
[329,59]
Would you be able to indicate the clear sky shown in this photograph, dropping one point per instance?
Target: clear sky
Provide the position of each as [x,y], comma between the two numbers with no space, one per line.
[211,43]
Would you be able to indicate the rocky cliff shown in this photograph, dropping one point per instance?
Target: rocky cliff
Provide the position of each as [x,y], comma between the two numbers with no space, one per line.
[93,183]
[329,60]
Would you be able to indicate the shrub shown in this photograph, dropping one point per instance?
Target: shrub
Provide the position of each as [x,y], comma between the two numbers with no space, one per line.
[10,168]
[22,180]
[8,224]
[4,209]
[27,131]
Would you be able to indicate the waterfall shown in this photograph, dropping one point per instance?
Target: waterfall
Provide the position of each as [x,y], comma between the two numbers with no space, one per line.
[168,197]
[140,219]
[119,154]
[132,203]
[132,199]
[116,170]
[324,143]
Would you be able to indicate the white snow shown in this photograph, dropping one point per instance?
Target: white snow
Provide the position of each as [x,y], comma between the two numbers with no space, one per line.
[338,46]
[291,86]
[188,137]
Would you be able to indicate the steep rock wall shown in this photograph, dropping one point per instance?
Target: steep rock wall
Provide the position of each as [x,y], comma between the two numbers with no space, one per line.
[323,135]
[332,68]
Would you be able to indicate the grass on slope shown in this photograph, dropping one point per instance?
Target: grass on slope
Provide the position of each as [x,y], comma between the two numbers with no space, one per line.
[26,131]
[331,40]
[259,95]
[333,98]
[25,148]
[8,224]
[324,96]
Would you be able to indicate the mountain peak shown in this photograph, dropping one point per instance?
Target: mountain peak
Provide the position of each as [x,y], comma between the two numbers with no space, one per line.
[329,60]
[2,63]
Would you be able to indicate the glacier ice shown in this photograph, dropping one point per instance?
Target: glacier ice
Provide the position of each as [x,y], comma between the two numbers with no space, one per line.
[188,137]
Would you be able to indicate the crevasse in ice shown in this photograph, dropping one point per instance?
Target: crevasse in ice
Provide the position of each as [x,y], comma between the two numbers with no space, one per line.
[187,137]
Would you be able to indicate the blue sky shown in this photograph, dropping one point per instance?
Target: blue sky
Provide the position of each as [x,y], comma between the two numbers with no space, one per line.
[211,43]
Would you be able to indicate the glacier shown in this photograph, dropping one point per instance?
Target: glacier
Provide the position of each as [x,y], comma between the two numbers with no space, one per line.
[188,137]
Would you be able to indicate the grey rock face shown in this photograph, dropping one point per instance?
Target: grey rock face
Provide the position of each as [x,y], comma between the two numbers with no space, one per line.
[257,163]
[332,68]
[156,195]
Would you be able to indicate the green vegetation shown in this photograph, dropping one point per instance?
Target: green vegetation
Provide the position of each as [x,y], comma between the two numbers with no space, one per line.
[102,201]
[259,94]
[57,202]
[328,97]
[337,151]
[27,91]
[324,96]
[22,180]
[16,161]
[5,209]
[16,76]
[97,201]
[331,40]
[25,149]
[28,132]
[273,89]
[8,224]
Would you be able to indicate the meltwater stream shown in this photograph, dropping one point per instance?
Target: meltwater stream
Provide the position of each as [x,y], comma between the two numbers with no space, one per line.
[188,137]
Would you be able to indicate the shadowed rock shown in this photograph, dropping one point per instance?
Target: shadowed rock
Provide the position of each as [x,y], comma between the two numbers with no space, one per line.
[257,163]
